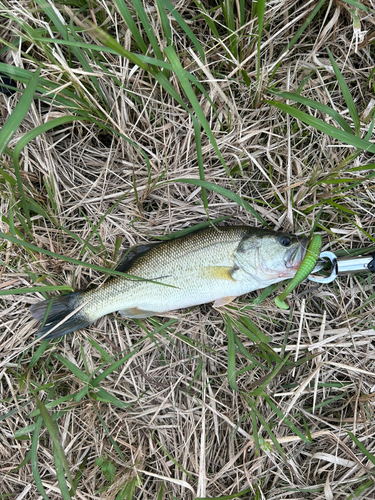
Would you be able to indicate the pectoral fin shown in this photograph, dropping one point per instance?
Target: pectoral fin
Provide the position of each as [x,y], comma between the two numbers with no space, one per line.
[136,312]
[218,272]
[224,300]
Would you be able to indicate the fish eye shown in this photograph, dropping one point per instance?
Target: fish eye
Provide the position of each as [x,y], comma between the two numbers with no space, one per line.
[285,241]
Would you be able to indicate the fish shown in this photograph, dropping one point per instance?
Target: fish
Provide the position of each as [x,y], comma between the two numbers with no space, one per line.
[215,264]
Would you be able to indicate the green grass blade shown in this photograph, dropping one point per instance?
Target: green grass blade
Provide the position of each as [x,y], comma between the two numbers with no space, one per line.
[78,475]
[231,40]
[103,353]
[231,354]
[347,95]
[34,248]
[224,192]
[139,61]
[287,421]
[245,331]
[106,397]
[198,144]
[147,28]
[65,494]
[316,105]
[65,97]
[74,369]
[31,429]
[166,84]
[118,49]
[170,456]
[34,289]
[60,458]
[253,327]
[359,492]
[38,353]
[109,434]
[164,21]
[110,48]
[242,350]
[86,60]
[95,232]
[14,121]
[364,450]
[150,65]
[96,226]
[128,492]
[340,208]
[22,143]
[10,127]
[24,462]
[54,16]
[254,423]
[268,378]
[263,295]
[51,191]
[270,433]
[242,12]
[208,19]
[370,129]
[230,497]
[190,94]
[7,177]
[10,221]
[78,44]
[52,12]
[34,458]
[260,7]
[360,6]
[52,404]
[161,492]
[196,376]
[324,127]
[192,229]
[124,11]
[99,394]
[95,382]
[184,26]
[296,37]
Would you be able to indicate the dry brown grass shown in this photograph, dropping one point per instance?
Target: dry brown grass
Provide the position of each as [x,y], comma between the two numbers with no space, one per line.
[186,433]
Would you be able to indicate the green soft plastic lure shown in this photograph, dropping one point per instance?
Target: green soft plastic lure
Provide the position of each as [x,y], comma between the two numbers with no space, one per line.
[307,265]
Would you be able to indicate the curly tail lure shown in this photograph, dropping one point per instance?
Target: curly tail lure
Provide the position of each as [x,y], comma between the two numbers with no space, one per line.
[307,265]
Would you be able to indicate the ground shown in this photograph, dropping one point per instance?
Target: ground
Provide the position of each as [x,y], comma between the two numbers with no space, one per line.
[147,119]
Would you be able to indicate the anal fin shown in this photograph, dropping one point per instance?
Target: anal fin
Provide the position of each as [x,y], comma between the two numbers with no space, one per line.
[224,300]
[136,312]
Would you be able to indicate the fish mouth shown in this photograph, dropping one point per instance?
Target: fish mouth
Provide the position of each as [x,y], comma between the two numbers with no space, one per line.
[295,256]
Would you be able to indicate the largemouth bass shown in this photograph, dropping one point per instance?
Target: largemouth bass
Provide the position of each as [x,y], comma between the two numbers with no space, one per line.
[212,265]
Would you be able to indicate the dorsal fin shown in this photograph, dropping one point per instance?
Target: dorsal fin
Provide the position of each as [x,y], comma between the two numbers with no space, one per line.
[132,254]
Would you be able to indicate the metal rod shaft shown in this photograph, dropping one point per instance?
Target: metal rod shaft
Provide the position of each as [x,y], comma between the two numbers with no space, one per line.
[353,265]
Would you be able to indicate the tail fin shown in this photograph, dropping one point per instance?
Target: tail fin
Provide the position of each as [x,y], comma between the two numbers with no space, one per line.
[53,311]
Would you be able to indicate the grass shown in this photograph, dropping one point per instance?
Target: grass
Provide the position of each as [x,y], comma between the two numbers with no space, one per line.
[134,121]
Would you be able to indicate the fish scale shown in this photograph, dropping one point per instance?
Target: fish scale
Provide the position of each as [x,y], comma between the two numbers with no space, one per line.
[215,264]
[178,263]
